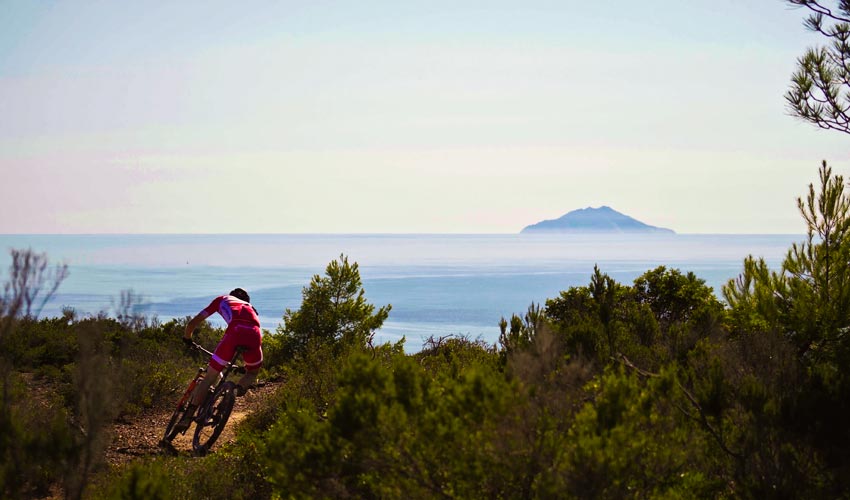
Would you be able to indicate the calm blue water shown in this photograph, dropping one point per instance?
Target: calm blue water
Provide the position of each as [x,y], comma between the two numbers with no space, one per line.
[437,284]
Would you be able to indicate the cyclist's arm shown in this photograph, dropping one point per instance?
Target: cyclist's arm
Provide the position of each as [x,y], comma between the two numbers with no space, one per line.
[195,323]
[204,314]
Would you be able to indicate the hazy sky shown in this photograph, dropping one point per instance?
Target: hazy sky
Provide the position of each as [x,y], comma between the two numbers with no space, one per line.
[387,116]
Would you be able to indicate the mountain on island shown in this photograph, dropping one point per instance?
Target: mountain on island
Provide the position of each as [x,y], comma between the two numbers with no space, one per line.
[595,220]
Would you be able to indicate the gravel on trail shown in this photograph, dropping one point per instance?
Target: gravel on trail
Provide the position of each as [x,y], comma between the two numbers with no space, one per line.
[137,436]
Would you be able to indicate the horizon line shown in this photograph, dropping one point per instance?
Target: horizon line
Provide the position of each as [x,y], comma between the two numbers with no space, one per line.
[519,233]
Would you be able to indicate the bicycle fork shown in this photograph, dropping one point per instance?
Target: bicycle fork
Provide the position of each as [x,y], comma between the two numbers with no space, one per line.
[190,391]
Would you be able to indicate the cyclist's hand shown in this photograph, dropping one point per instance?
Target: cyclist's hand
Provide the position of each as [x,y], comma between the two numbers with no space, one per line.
[188,341]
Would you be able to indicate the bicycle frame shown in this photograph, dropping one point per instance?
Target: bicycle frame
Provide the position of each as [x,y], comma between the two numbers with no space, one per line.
[189,390]
[214,410]
[231,365]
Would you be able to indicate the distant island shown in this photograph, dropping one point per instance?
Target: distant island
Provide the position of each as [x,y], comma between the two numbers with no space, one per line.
[595,220]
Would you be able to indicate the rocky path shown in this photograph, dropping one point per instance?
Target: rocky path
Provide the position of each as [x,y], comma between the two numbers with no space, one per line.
[139,435]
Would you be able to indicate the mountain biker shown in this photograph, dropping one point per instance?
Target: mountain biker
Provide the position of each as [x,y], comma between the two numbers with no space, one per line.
[243,329]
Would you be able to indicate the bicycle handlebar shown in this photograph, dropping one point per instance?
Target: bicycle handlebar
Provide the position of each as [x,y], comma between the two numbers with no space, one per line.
[201,348]
[236,368]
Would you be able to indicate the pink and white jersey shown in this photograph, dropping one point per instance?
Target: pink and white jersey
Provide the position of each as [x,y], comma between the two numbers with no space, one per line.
[232,309]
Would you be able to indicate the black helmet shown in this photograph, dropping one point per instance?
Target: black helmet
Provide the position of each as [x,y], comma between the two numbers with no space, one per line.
[240,294]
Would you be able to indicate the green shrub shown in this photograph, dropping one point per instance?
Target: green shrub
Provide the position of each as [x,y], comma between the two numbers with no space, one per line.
[232,472]
[396,430]
[35,440]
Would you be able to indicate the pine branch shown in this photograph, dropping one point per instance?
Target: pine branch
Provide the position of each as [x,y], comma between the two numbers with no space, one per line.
[702,418]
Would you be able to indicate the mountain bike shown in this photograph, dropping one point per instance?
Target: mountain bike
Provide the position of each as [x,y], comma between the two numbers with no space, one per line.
[213,412]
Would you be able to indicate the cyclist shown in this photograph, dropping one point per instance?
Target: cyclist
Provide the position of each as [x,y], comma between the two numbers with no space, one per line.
[243,329]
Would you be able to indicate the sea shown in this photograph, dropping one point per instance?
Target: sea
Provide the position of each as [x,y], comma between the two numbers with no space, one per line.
[438,284]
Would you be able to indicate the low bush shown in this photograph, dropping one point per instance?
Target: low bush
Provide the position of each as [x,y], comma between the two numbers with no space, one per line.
[232,472]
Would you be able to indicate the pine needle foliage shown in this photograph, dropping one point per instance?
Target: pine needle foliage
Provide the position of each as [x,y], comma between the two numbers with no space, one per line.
[820,87]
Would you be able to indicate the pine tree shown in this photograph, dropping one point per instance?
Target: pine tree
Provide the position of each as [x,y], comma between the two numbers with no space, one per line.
[334,312]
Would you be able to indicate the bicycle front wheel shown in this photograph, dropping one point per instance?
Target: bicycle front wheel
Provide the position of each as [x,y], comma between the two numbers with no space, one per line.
[170,431]
[214,417]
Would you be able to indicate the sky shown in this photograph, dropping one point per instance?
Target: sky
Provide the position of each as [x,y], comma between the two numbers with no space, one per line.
[401,117]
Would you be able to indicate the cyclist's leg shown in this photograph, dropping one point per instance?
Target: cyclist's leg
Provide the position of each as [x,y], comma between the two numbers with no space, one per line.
[221,356]
[246,381]
[204,386]
[253,357]
[197,399]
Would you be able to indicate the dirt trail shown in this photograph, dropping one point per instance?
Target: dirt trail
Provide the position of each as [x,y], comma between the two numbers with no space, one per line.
[139,435]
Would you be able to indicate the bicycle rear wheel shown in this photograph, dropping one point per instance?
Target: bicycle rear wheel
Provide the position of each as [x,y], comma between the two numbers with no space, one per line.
[214,417]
